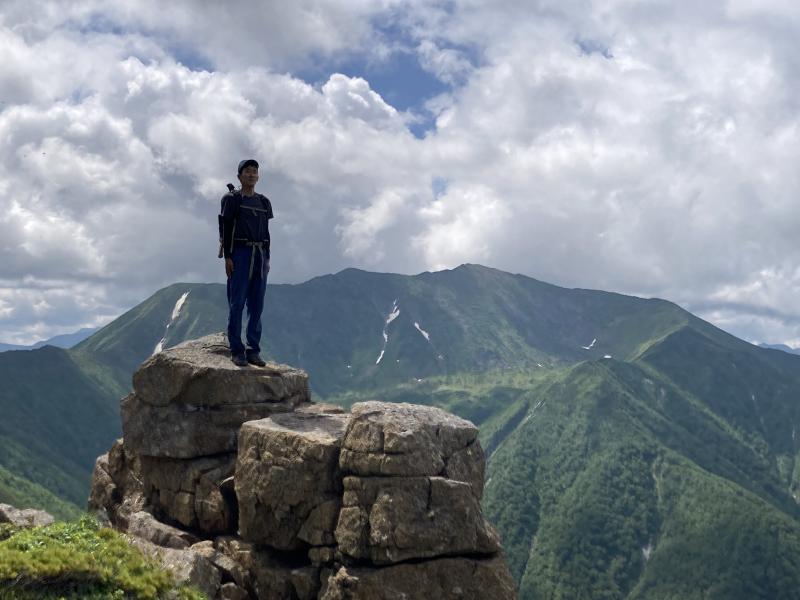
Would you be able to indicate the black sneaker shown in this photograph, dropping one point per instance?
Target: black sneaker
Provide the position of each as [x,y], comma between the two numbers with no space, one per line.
[255,359]
[239,360]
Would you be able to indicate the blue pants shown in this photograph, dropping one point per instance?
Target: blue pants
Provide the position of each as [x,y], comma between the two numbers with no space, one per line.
[247,285]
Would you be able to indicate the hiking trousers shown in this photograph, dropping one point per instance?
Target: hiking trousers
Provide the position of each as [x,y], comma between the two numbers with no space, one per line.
[246,286]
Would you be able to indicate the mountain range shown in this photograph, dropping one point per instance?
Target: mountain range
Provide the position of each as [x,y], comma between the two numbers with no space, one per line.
[635,451]
[66,340]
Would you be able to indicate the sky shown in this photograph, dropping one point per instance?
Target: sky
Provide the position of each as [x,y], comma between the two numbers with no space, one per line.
[648,147]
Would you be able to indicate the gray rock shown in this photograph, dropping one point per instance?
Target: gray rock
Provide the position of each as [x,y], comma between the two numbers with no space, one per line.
[320,408]
[392,519]
[116,490]
[101,492]
[227,566]
[268,576]
[200,372]
[287,480]
[445,578]
[190,491]
[305,581]
[189,431]
[231,591]
[409,440]
[319,555]
[238,550]
[187,566]
[24,517]
[145,526]
[271,577]
[190,400]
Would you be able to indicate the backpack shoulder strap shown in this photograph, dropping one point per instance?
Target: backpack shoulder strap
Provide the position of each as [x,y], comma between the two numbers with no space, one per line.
[235,197]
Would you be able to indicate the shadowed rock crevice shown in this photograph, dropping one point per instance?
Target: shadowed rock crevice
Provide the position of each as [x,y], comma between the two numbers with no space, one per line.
[250,490]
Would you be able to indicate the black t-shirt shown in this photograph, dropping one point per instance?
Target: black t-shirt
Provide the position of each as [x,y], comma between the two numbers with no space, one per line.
[252,215]
[253,223]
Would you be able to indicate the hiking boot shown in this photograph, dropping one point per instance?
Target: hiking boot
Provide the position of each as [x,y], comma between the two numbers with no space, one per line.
[239,360]
[255,359]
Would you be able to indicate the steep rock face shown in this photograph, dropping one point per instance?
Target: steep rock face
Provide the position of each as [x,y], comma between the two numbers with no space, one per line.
[117,492]
[245,487]
[195,493]
[287,479]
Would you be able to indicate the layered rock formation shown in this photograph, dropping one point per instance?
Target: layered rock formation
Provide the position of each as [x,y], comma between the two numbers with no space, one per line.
[233,478]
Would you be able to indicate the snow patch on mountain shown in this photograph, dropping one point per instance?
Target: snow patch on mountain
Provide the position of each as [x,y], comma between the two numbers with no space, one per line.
[176,312]
[590,346]
[393,314]
[424,333]
[647,551]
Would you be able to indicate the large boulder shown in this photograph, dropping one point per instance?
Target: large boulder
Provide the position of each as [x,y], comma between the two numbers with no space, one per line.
[287,480]
[24,517]
[393,519]
[190,400]
[186,565]
[192,492]
[386,439]
[452,578]
[145,526]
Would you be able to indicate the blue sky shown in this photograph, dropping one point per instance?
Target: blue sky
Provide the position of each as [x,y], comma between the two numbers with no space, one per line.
[645,148]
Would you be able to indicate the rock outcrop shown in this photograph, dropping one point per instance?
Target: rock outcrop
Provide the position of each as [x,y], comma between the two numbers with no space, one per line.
[24,517]
[192,400]
[238,483]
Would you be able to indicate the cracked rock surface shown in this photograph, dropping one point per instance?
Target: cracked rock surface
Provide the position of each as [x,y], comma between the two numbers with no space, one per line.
[287,479]
[407,440]
[393,519]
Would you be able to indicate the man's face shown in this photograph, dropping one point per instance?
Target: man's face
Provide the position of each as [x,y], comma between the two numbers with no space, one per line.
[249,176]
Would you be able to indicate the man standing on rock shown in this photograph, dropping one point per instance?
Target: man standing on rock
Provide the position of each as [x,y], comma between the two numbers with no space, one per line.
[245,245]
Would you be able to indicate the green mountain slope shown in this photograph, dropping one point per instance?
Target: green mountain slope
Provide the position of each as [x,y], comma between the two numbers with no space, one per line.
[621,483]
[22,493]
[55,420]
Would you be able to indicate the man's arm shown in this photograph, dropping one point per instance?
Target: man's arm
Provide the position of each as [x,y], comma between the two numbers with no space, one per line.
[230,209]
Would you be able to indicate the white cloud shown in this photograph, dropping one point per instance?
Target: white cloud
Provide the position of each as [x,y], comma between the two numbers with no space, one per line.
[462,225]
[648,149]
[447,64]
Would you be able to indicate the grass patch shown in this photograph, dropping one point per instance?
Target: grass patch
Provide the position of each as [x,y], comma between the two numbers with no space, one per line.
[79,559]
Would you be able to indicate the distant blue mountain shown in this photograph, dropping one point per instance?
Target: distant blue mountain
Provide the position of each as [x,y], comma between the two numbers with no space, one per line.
[66,340]
[781,347]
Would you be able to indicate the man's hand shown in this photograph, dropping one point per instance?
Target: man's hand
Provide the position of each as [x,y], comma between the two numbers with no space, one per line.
[228,267]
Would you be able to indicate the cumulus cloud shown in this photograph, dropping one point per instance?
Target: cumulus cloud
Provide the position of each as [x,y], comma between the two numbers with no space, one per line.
[647,149]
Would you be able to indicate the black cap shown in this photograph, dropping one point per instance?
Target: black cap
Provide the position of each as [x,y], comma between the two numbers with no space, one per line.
[247,163]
